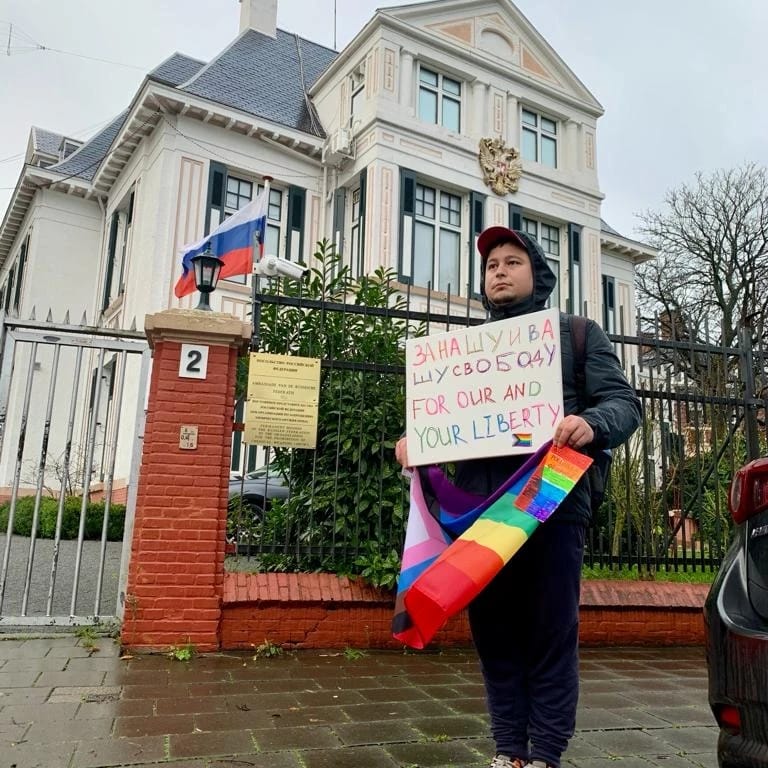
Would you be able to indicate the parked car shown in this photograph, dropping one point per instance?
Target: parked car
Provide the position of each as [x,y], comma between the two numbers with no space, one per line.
[257,488]
[736,615]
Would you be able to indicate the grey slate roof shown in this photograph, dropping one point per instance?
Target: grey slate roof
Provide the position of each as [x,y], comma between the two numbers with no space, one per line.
[605,227]
[47,142]
[262,75]
[176,69]
[84,163]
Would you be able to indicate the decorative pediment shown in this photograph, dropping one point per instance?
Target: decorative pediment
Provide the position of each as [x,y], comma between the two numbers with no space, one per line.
[496,30]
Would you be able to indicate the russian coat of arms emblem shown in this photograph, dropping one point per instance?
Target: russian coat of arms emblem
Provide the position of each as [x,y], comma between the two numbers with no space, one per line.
[501,165]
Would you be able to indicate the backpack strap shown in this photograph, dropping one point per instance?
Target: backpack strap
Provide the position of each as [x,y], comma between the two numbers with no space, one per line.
[578,328]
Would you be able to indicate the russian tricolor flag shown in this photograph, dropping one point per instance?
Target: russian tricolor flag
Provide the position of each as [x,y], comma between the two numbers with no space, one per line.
[232,241]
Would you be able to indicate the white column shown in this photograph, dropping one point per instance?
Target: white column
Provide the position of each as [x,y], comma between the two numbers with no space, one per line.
[513,122]
[406,81]
[478,110]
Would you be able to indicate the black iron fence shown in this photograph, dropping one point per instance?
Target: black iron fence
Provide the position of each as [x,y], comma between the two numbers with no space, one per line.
[343,506]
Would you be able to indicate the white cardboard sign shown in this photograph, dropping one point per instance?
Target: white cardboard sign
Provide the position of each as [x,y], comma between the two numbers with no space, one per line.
[490,390]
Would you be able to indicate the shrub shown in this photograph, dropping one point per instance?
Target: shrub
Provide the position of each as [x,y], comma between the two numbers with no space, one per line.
[70,520]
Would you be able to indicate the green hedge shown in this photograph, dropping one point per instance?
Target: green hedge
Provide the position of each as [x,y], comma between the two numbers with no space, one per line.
[70,522]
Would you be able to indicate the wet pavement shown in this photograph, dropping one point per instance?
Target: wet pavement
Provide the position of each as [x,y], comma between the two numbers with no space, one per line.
[64,704]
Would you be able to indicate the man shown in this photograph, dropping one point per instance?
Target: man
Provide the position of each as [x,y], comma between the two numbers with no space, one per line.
[525,623]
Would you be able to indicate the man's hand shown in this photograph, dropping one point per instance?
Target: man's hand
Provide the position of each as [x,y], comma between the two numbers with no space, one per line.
[401,452]
[573,431]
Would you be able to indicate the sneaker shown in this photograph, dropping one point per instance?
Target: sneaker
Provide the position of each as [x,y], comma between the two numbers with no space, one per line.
[539,764]
[503,761]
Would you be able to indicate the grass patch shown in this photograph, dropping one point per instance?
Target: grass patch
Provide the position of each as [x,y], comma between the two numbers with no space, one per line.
[660,574]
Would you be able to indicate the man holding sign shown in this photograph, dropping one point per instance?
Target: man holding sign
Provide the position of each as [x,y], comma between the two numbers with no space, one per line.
[525,622]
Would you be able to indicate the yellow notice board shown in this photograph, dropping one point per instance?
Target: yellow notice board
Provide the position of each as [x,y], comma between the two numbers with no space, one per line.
[283,394]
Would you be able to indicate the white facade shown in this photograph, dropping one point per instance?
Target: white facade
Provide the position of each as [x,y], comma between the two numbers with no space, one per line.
[389,170]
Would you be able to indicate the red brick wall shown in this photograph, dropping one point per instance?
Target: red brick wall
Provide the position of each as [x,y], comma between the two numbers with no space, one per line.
[176,574]
[323,611]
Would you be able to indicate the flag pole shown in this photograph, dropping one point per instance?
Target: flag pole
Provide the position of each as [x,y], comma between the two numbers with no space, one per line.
[255,287]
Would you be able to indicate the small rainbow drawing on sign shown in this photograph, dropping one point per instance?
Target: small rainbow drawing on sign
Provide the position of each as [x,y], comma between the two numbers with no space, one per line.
[522,439]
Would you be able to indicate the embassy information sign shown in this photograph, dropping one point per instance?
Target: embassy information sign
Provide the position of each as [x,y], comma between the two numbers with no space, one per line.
[490,390]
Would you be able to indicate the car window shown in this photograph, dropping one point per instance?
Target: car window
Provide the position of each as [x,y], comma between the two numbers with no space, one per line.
[757,562]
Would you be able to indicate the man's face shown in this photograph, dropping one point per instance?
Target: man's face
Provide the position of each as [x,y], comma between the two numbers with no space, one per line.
[508,274]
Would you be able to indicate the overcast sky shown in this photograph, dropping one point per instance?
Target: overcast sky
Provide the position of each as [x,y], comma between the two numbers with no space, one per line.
[682,82]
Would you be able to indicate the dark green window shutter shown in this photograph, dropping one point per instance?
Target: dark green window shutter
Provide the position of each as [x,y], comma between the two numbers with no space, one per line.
[9,286]
[20,273]
[339,202]
[361,225]
[217,193]
[477,225]
[294,242]
[407,212]
[574,269]
[111,249]
[515,217]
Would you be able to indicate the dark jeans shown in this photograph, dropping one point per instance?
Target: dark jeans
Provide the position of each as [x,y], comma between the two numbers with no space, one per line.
[525,625]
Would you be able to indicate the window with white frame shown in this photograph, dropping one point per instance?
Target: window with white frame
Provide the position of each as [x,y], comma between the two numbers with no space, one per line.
[358,92]
[439,99]
[548,237]
[539,138]
[437,239]
[239,192]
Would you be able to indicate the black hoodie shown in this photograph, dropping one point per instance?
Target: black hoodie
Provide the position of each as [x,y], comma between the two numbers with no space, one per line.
[614,411]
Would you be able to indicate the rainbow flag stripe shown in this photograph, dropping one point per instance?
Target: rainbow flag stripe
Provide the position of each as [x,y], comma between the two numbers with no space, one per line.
[456,543]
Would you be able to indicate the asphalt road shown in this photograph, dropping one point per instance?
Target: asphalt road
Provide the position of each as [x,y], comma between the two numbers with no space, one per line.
[41,573]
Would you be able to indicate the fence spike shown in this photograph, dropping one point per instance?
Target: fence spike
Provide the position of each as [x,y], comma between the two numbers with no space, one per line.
[32,313]
[84,319]
[133,324]
[66,318]
[49,318]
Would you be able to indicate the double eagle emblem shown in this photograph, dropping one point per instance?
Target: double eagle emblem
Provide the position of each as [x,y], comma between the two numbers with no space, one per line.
[501,166]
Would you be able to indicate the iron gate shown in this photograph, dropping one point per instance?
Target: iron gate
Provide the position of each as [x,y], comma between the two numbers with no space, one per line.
[72,402]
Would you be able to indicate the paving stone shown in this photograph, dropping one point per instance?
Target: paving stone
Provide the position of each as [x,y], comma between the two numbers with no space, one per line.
[28,755]
[361,713]
[69,730]
[47,713]
[151,726]
[691,715]
[394,694]
[12,696]
[67,678]
[190,706]
[228,721]
[119,708]
[308,716]
[12,732]
[612,762]
[455,727]
[81,693]
[102,753]
[18,679]
[432,754]
[355,757]
[204,744]
[691,739]
[626,743]
[326,697]
[309,737]
[362,734]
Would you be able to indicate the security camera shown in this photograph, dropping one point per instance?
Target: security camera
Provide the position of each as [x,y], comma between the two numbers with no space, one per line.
[272,266]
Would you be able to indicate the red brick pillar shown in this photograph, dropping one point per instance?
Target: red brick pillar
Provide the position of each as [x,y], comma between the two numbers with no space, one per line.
[176,572]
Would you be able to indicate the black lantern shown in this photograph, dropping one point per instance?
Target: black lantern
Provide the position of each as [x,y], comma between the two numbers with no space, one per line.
[207,268]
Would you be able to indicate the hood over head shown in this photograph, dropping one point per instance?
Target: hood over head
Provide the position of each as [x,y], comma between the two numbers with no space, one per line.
[544,279]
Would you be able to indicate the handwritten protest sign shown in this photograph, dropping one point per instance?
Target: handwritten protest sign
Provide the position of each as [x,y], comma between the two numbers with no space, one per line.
[490,390]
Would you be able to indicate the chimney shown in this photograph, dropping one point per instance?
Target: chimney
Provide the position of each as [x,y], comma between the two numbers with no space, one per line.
[260,15]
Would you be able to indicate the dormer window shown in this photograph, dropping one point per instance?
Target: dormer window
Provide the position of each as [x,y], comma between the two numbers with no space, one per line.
[439,99]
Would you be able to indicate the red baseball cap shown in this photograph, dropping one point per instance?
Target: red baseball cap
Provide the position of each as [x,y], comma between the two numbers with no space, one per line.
[492,236]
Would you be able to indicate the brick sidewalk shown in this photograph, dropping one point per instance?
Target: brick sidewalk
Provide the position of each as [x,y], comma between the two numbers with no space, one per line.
[62,704]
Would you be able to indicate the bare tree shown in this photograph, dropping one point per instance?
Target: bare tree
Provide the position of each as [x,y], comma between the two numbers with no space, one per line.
[711,275]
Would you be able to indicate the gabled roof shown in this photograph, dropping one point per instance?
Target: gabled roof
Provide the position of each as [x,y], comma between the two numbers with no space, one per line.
[83,164]
[615,242]
[267,77]
[46,142]
[176,69]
